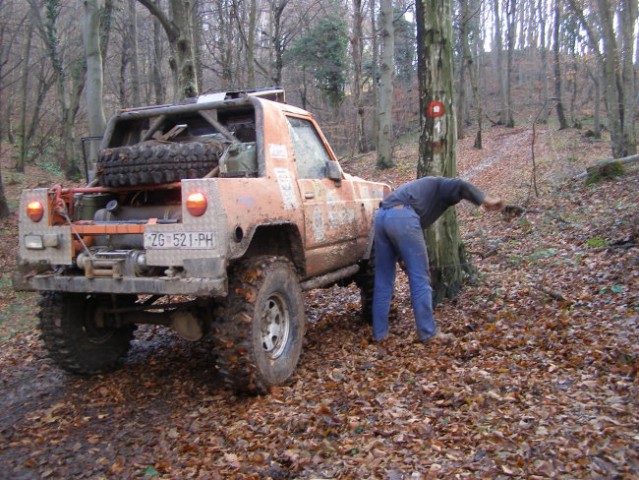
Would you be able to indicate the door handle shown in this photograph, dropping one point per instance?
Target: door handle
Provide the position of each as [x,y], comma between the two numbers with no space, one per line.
[309,195]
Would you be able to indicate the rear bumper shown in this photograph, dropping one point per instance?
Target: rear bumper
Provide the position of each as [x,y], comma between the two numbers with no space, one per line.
[200,287]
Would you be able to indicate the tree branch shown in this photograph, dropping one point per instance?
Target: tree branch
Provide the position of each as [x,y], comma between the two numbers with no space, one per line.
[169,27]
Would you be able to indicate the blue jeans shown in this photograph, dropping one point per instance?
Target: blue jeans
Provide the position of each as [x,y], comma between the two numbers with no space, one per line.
[398,235]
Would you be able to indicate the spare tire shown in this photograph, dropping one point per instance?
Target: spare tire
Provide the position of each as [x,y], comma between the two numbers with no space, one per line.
[153,162]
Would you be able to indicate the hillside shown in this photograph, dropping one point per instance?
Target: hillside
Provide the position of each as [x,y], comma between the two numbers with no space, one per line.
[540,381]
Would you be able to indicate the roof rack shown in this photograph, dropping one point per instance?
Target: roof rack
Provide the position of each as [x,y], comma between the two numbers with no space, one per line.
[276,94]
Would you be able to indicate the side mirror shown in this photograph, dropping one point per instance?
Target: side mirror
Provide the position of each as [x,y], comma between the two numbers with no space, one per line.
[334,172]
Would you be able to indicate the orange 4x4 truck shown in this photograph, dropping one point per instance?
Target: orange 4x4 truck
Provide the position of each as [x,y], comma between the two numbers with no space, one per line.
[210,217]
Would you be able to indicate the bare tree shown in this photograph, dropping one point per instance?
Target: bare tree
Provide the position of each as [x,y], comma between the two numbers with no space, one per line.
[498,45]
[35,83]
[159,88]
[69,77]
[278,40]
[133,52]
[602,32]
[469,24]
[94,90]
[26,74]
[4,205]
[375,62]
[511,7]
[464,63]
[557,64]
[385,105]
[543,53]
[628,13]
[178,26]
[359,142]
[247,29]
[4,59]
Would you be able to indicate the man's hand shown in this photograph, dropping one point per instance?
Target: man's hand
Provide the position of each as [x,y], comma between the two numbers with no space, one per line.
[493,204]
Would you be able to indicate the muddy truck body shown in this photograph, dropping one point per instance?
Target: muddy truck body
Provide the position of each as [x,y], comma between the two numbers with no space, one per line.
[210,217]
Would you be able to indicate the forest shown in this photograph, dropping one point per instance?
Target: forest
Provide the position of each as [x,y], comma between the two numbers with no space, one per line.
[65,66]
[541,379]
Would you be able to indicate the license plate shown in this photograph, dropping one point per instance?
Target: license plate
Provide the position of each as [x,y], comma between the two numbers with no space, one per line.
[193,240]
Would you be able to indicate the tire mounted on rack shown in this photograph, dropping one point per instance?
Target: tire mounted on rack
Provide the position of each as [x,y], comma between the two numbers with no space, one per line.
[154,163]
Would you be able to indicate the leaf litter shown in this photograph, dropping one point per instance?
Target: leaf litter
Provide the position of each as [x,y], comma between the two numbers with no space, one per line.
[539,382]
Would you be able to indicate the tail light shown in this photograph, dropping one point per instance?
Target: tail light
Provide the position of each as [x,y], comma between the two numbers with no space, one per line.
[35,210]
[196,204]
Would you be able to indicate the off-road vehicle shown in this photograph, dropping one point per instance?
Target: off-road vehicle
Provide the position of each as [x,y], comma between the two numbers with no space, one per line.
[210,216]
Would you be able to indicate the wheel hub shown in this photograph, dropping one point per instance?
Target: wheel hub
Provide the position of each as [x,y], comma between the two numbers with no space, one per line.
[275,327]
[94,325]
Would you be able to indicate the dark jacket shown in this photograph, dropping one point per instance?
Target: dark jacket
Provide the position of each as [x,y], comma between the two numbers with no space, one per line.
[431,196]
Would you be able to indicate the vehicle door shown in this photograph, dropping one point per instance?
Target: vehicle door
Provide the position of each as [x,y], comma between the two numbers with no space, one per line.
[331,218]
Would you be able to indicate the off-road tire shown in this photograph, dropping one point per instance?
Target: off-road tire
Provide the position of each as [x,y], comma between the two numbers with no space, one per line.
[71,338]
[365,280]
[154,163]
[260,338]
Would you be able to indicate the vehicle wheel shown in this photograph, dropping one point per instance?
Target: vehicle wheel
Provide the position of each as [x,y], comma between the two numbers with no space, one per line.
[260,338]
[74,334]
[366,282]
[153,163]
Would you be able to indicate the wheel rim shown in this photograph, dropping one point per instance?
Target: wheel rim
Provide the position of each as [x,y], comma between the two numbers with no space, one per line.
[275,326]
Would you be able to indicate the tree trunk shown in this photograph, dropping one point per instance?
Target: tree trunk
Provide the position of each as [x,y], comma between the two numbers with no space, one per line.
[158,82]
[179,30]
[69,87]
[303,89]
[70,106]
[602,35]
[198,41]
[438,138]
[250,48]
[277,40]
[359,143]
[473,25]
[543,52]
[136,99]
[611,71]
[180,11]
[247,34]
[375,53]
[511,6]
[561,116]
[226,47]
[94,82]
[464,63]
[499,48]
[26,70]
[628,18]
[572,88]
[124,66]
[4,205]
[596,117]
[385,106]
[106,18]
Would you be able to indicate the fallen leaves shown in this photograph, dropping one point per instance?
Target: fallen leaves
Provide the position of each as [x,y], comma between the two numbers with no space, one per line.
[532,387]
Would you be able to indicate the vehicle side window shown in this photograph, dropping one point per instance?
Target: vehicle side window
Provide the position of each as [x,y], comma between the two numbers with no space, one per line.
[311,156]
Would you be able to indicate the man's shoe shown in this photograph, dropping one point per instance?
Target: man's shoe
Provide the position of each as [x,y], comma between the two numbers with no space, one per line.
[440,337]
